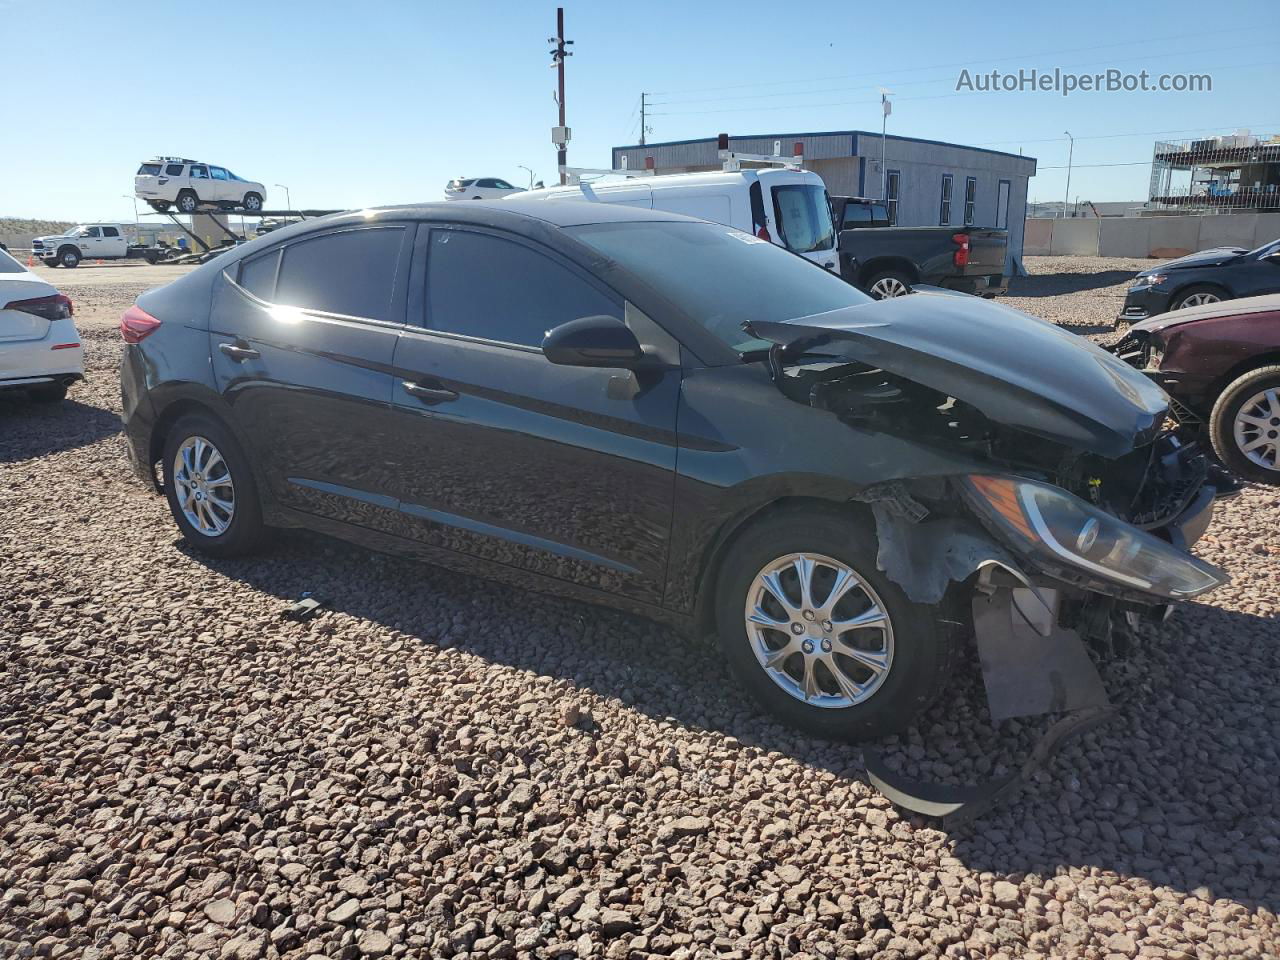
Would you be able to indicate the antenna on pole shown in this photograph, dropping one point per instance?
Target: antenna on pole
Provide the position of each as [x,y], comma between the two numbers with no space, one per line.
[560,134]
[642,131]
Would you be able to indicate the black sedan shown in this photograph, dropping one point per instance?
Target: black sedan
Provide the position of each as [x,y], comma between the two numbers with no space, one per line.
[674,418]
[1205,277]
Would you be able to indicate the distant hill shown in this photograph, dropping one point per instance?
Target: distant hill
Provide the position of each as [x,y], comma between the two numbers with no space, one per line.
[16,232]
[37,228]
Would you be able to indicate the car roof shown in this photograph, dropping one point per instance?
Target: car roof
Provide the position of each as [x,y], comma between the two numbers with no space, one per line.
[511,209]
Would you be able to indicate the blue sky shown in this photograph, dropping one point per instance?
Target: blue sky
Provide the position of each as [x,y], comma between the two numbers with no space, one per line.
[353,104]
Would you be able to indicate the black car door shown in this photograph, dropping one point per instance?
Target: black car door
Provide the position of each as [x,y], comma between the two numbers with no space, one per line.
[302,339]
[563,471]
[1258,275]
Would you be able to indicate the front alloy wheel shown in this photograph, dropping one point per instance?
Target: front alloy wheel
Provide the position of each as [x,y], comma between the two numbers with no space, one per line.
[818,634]
[206,493]
[819,631]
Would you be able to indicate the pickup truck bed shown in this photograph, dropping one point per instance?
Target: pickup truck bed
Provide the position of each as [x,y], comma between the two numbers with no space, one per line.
[885,260]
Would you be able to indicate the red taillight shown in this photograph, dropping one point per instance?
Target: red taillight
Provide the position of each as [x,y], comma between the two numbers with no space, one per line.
[56,307]
[137,324]
[763,234]
[961,256]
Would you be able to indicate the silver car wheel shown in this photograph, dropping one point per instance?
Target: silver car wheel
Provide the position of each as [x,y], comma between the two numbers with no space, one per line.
[1257,428]
[888,287]
[205,491]
[1199,299]
[819,630]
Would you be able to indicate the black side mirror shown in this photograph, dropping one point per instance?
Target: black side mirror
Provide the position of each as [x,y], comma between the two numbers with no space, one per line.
[593,342]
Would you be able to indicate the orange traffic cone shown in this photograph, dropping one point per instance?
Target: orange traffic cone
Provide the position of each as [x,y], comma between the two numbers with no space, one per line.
[31,260]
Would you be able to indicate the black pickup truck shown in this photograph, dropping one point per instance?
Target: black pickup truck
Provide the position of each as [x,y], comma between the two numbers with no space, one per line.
[885,261]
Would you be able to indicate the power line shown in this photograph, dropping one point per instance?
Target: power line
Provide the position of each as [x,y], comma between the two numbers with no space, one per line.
[854,103]
[961,63]
[949,77]
[1146,133]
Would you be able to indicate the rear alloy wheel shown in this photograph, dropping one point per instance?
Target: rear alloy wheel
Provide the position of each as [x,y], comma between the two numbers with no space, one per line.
[1245,425]
[890,284]
[210,488]
[819,635]
[1197,297]
[252,201]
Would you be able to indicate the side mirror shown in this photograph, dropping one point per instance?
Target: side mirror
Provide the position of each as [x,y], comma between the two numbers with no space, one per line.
[593,342]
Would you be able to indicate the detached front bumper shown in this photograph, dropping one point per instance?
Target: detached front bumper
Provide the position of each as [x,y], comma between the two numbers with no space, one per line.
[1141,302]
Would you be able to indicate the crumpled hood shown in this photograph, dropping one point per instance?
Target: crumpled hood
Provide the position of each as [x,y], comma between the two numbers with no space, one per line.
[1205,258]
[1018,370]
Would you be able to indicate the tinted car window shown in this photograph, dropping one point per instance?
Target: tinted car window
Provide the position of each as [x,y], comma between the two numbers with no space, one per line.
[149,170]
[755,280]
[352,272]
[857,215]
[483,286]
[173,170]
[93,232]
[485,183]
[503,185]
[258,275]
[110,232]
[218,173]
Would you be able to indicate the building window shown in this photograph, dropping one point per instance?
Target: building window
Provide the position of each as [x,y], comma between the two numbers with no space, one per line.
[970,196]
[944,213]
[891,196]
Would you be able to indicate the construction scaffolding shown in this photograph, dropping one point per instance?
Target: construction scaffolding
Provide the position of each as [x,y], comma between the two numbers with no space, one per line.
[1239,173]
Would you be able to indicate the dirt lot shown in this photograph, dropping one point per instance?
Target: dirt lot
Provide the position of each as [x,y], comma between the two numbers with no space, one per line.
[443,767]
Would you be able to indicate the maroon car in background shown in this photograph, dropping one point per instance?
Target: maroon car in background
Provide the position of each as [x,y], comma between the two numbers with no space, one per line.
[1221,365]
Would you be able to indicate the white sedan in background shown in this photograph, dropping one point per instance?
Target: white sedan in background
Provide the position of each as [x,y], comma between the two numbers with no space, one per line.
[478,188]
[40,350]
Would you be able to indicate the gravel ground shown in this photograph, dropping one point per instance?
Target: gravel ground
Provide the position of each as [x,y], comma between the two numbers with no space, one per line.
[443,767]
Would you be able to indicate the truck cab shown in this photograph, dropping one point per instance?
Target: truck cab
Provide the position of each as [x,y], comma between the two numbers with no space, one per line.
[85,241]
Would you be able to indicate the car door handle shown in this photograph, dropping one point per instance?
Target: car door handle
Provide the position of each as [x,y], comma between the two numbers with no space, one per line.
[428,394]
[237,353]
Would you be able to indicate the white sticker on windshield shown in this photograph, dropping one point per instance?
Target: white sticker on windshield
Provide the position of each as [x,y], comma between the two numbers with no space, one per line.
[745,237]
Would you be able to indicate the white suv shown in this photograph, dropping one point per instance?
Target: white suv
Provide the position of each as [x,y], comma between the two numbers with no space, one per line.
[481,188]
[189,185]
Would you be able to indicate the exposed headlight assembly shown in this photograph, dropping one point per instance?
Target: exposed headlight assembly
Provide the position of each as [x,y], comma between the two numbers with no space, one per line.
[1152,279]
[1063,529]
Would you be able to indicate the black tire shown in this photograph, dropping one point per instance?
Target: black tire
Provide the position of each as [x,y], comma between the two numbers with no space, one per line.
[53,393]
[245,533]
[188,201]
[160,206]
[477,198]
[921,649]
[1197,290]
[253,201]
[69,257]
[50,262]
[1222,422]
[887,277]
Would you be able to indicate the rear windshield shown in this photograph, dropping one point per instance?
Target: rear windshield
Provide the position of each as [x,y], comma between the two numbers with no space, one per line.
[10,265]
[754,279]
[461,183]
[804,217]
[149,170]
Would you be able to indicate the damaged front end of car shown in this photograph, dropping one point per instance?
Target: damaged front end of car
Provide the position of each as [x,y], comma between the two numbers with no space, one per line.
[1072,510]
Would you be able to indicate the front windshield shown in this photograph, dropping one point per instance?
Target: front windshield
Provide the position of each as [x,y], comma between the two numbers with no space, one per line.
[719,276]
[1266,250]
[803,217]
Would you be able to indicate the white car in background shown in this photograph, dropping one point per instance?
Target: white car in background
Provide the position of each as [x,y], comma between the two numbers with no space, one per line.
[479,188]
[190,185]
[40,350]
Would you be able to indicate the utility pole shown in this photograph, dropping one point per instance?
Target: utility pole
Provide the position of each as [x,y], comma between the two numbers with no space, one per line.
[1066,197]
[642,96]
[557,60]
[886,108]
